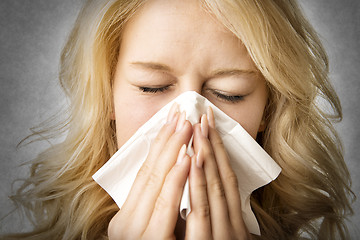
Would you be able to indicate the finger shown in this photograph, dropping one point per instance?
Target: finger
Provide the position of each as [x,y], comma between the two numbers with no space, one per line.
[198,223]
[215,190]
[164,162]
[228,178]
[142,176]
[171,193]
[166,209]
[165,133]
[211,118]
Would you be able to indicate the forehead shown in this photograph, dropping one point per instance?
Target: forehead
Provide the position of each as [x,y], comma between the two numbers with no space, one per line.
[185,11]
[171,29]
[184,17]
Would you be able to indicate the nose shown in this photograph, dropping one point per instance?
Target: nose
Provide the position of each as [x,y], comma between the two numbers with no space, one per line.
[191,83]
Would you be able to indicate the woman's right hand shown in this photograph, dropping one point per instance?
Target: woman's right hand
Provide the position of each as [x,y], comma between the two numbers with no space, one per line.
[152,207]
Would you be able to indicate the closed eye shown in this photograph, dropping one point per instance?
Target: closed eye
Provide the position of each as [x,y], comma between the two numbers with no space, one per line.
[154,89]
[228,98]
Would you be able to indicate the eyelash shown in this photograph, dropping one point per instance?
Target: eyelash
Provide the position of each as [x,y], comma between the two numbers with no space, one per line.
[154,90]
[227,98]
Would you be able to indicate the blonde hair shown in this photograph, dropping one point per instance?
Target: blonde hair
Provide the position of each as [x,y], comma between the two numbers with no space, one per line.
[64,202]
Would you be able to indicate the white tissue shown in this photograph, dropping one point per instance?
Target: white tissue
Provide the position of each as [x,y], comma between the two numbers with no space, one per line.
[252,165]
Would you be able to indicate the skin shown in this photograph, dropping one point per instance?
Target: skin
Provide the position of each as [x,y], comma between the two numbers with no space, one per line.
[170,47]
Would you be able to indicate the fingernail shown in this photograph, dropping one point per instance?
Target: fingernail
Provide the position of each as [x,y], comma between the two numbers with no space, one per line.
[175,118]
[173,110]
[204,126]
[181,155]
[211,119]
[199,159]
[181,121]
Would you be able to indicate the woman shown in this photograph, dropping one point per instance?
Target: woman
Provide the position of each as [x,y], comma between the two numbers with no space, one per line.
[258,61]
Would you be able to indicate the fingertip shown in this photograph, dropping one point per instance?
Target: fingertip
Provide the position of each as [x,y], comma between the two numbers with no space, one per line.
[210,116]
[199,138]
[196,166]
[187,124]
[204,125]
[185,132]
[182,154]
[188,128]
[173,110]
[200,158]
[184,163]
[181,122]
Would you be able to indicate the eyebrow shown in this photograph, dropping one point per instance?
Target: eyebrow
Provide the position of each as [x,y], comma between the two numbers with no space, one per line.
[153,66]
[216,73]
[233,72]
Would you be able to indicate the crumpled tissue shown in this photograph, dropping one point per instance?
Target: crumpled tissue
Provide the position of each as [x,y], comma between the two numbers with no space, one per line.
[252,165]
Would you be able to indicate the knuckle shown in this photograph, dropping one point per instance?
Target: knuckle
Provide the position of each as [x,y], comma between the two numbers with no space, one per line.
[115,229]
[203,211]
[218,142]
[154,179]
[201,186]
[157,140]
[144,171]
[217,188]
[164,131]
[161,203]
[208,151]
[172,180]
[232,180]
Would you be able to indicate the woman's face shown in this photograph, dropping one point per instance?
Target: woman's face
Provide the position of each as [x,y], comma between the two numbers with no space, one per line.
[170,47]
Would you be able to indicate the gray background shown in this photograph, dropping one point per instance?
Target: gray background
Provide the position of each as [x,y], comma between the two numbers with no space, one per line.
[32,34]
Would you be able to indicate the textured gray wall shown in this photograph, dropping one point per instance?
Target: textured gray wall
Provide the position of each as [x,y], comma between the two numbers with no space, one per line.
[32,34]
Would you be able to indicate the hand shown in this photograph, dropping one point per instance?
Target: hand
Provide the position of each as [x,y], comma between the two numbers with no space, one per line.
[151,209]
[215,199]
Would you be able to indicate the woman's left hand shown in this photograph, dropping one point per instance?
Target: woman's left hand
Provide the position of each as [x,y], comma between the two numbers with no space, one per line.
[215,199]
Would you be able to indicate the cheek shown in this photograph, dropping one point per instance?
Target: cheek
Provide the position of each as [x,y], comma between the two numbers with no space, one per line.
[250,113]
[250,121]
[248,116]
[131,112]
[128,119]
